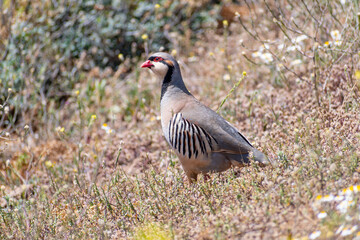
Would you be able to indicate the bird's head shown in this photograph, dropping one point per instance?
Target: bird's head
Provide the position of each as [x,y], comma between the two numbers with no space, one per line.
[160,63]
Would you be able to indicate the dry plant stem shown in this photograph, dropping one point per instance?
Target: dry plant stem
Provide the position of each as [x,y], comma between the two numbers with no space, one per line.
[225,35]
[281,28]
[316,75]
[146,46]
[339,58]
[350,82]
[4,104]
[118,155]
[257,38]
[308,10]
[230,92]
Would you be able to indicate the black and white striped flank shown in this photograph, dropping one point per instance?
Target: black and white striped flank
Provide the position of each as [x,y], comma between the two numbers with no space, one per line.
[189,139]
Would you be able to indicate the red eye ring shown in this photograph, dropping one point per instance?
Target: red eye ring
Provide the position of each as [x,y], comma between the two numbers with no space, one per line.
[158,59]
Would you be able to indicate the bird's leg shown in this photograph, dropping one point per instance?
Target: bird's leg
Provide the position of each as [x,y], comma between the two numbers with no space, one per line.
[192,177]
[206,177]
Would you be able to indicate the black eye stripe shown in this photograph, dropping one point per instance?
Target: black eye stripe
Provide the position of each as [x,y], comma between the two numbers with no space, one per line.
[167,62]
[156,59]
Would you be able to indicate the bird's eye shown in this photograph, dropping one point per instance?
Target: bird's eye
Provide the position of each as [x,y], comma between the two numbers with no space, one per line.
[158,59]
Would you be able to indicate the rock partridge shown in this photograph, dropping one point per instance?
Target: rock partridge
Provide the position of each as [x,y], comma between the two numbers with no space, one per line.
[203,140]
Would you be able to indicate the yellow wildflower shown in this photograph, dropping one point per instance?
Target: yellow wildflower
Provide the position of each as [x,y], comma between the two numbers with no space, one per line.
[157,6]
[244,73]
[77,92]
[357,74]
[225,23]
[60,129]
[144,36]
[93,116]
[49,164]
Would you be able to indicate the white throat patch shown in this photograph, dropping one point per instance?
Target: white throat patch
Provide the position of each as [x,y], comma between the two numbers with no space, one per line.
[160,69]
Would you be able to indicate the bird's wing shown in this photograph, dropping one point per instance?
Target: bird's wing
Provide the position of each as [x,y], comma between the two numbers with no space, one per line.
[228,138]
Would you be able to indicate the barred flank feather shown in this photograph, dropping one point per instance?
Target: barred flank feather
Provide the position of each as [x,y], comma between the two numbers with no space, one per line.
[188,139]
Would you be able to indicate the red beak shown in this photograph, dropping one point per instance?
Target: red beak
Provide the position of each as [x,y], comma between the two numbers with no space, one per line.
[147,64]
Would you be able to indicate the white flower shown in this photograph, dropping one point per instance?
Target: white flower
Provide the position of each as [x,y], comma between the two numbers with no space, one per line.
[300,38]
[193,59]
[266,57]
[261,48]
[322,215]
[344,205]
[337,43]
[256,54]
[328,198]
[107,129]
[315,235]
[296,62]
[339,229]
[293,48]
[348,231]
[280,66]
[339,198]
[226,77]
[347,192]
[343,2]
[266,46]
[335,34]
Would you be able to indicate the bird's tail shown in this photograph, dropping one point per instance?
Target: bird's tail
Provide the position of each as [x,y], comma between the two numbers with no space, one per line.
[261,158]
[240,159]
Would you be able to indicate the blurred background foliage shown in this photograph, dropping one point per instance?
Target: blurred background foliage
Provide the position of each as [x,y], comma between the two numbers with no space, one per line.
[45,45]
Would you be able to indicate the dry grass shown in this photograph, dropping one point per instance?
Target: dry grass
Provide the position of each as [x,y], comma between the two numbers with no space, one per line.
[85,181]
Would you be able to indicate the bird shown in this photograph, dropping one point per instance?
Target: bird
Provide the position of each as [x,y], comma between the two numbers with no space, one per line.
[203,140]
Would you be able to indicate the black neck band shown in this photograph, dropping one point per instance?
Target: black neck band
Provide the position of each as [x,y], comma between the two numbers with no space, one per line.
[166,81]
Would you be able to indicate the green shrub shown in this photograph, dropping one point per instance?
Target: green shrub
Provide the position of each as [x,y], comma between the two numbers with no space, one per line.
[52,42]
